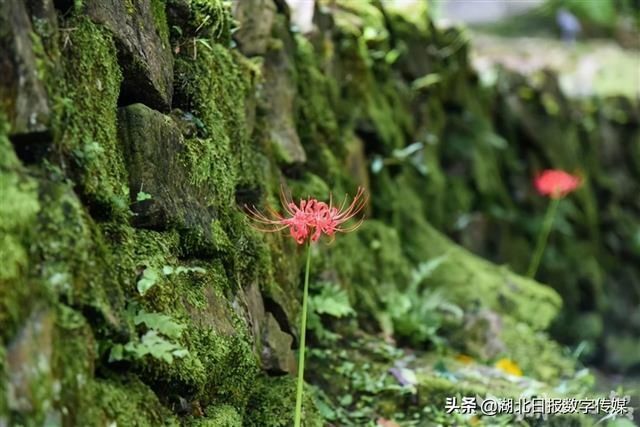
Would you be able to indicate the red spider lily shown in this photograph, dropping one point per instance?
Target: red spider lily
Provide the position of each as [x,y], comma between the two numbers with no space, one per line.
[556,183]
[334,217]
[310,218]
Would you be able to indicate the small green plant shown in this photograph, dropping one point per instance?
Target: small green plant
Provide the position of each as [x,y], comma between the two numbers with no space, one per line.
[156,342]
[159,322]
[168,270]
[365,382]
[151,277]
[332,301]
[412,154]
[417,314]
[148,280]
[142,196]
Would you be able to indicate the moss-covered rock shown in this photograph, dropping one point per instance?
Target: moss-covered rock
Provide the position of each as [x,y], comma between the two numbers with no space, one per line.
[190,20]
[255,19]
[85,126]
[153,145]
[125,401]
[142,38]
[24,99]
[271,403]
[18,213]
[279,94]
[223,416]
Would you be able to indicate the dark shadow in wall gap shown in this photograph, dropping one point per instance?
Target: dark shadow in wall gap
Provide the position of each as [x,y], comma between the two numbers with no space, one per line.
[281,317]
[32,148]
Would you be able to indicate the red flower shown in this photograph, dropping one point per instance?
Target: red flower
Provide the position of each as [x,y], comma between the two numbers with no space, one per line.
[310,218]
[556,183]
[334,217]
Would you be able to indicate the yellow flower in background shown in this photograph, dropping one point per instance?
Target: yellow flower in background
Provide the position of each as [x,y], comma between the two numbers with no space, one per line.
[509,366]
[463,358]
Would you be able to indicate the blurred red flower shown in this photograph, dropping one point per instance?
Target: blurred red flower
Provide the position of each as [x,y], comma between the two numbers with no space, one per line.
[556,183]
[310,218]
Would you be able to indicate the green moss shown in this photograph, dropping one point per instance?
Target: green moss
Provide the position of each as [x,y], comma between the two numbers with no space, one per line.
[309,186]
[160,17]
[125,401]
[231,367]
[13,250]
[76,260]
[214,86]
[272,401]
[374,106]
[221,363]
[534,351]
[494,287]
[18,213]
[85,115]
[219,416]
[409,21]
[251,261]
[208,20]
[466,279]
[316,121]
[74,354]
[369,263]
[355,16]
[4,405]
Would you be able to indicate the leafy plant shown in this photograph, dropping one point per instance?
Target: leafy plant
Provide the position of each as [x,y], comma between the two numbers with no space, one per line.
[426,81]
[151,277]
[151,344]
[148,280]
[412,154]
[156,341]
[159,322]
[364,382]
[417,314]
[168,270]
[142,196]
[333,301]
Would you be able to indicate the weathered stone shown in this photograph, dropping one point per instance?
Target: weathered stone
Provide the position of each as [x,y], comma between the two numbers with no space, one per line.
[44,18]
[417,57]
[277,356]
[153,146]
[29,364]
[255,18]
[356,162]
[270,341]
[279,93]
[178,13]
[481,334]
[255,312]
[143,49]
[23,98]
[201,19]
[216,314]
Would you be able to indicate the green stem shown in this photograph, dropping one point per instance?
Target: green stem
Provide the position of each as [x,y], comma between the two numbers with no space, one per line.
[303,333]
[543,237]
